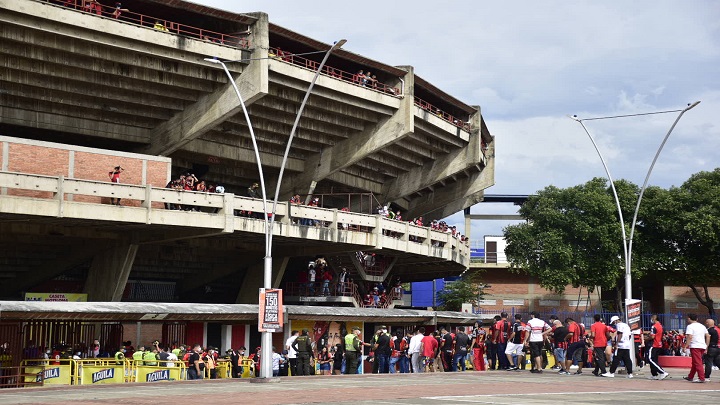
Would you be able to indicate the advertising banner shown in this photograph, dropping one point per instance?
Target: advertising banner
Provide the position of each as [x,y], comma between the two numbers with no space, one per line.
[102,375]
[632,308]
[58,297]
[153,374]
[51,374]
[271,310]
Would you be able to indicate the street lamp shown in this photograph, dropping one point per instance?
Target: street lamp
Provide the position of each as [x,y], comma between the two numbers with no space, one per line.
[266,338]
[627,242]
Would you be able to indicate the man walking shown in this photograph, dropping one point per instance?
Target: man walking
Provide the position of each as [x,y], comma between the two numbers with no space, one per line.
[576,345]
[514,350]
[538,331]
[382,351]
[623,344]
[462,341]
[656,334]
[712,357]
[559,334]
[414,350]
[697,339]
[599,334]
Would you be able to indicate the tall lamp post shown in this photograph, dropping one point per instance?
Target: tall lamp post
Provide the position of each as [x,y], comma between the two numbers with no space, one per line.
[627,242]
[266,338]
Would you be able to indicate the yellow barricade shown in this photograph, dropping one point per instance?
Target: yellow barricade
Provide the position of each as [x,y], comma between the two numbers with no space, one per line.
[102,374]
[223,368]
[156,373]
[248,367]
[51,374]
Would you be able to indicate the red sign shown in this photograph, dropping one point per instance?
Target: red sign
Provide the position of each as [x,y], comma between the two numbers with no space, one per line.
[270,316]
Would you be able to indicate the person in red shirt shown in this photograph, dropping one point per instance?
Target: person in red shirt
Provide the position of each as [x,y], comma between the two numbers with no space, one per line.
[500,335]
[598,333]
[428,350]
[575,339]
[656,345]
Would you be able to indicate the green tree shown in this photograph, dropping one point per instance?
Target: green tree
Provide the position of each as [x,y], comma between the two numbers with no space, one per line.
[465,290]
[680,234]
[572,236]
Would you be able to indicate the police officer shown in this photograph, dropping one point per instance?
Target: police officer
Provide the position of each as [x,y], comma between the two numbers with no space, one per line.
[353,347]
[120,356]
[304,350]
[150,357]
[138,356]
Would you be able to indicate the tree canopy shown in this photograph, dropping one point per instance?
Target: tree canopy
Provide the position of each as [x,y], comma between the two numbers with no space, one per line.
[572,237]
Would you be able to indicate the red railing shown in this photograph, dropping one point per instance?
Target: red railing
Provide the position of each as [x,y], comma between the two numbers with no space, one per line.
[442,114]
[354,78]
[373,265]
[296,289]
[123,14]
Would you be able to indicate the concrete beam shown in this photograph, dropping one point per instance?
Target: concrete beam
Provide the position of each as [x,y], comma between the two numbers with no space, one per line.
[109,272]
[350,151]
[76,125]
[463,193]
[253,280]
[486,217]
[241,153]
[213,109]
[440,169]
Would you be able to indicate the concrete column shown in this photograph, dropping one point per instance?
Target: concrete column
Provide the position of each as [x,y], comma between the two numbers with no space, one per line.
[5,163]
[225,338]
[253,280]
[109,272]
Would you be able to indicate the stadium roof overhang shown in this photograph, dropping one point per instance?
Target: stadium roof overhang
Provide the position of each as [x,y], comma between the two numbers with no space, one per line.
[177,312]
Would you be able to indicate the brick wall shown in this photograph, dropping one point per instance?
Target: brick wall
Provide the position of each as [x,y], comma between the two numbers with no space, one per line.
[149,332]
[53,159]
[508,290]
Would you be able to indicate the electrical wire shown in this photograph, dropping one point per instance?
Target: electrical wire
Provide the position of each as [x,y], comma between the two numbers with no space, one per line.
[627,115]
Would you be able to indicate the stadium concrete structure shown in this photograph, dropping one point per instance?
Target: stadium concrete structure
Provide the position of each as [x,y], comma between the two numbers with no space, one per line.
[83,90]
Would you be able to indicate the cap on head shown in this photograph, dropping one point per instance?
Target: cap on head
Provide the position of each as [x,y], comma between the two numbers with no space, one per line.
[614,318]
[355,328]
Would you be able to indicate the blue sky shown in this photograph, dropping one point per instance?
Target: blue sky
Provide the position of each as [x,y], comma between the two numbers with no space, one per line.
[529,64]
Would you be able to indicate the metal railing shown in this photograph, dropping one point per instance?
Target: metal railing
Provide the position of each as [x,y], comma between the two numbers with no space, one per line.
[354,78]
[442,114]
[159,24]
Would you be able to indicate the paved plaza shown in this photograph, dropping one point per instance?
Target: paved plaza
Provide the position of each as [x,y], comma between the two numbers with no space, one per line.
[493,387]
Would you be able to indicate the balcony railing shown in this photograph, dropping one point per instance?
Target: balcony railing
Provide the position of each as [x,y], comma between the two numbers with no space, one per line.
[354,78]
[126,15]
[442,114]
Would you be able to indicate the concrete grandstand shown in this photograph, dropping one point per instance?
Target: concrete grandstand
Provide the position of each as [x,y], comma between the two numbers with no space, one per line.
[84,91]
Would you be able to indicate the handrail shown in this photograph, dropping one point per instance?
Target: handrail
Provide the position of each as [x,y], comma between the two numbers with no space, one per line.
[442,114]
[123,14]
[279,54]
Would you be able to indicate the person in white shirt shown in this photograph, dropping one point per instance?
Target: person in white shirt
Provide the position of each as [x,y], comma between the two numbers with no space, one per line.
[292,354]
[622,344]
[276,360]
[414,350]
[697,339]
[538,331]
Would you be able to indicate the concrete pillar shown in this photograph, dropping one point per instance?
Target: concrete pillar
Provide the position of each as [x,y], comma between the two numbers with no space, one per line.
[253,280]
[109,272]
[225,338]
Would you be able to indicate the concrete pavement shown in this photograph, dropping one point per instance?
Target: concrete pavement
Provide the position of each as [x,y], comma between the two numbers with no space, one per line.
[492,387]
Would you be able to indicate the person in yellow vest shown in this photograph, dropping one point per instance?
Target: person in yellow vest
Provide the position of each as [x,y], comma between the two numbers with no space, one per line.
[138,356]
[179,351]
[353,350]
[120,356]
[211,362]
[150,357]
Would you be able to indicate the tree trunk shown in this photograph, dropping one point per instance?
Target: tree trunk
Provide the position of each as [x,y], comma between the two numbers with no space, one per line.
[706,301]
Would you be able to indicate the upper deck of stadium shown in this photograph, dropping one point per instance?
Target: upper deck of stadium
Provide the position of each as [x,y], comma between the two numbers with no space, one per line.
[136,82]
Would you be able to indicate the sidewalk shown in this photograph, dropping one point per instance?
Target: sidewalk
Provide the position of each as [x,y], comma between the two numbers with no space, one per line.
[498,387]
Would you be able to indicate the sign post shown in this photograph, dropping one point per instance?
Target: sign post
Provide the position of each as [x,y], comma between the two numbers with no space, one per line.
[632,315]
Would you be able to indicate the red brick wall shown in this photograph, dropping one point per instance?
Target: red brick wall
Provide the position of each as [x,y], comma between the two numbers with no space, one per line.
[149,332]
[89,164]
[37,160]
[510,286]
